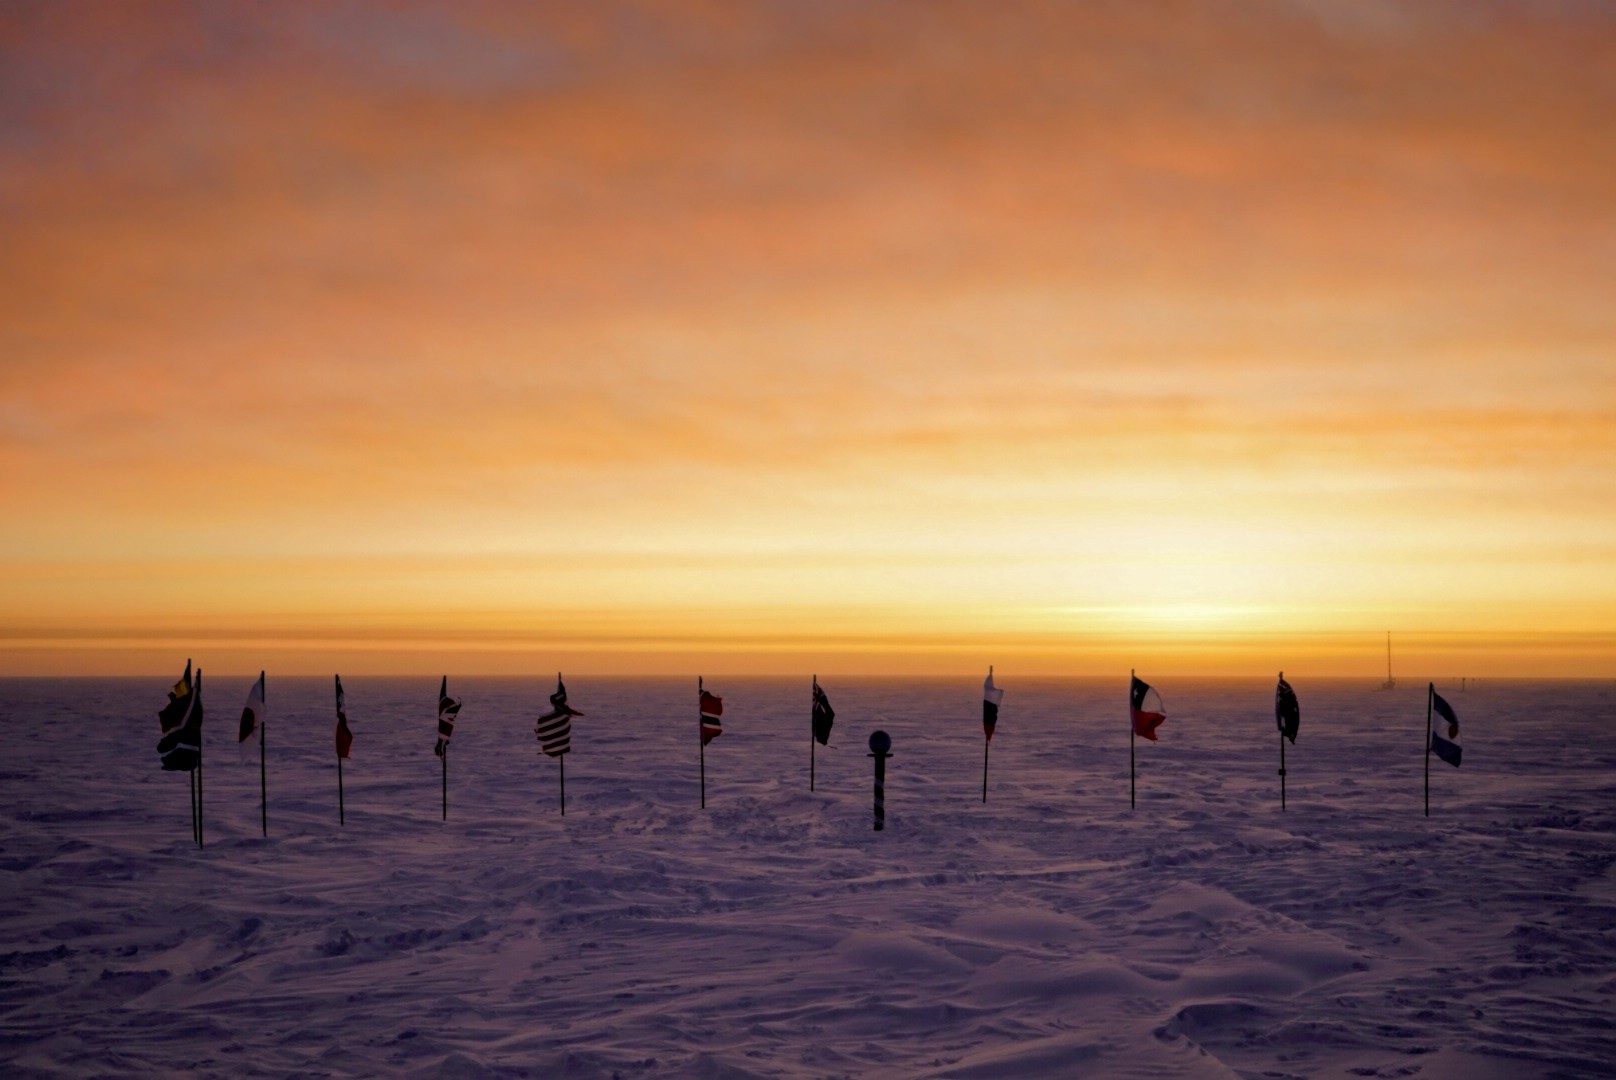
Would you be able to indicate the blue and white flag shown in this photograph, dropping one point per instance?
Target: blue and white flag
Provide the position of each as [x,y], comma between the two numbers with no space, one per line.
[1444,730]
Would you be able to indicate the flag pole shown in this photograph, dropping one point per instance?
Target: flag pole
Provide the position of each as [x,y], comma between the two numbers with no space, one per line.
[986,739]
[1430,689]
[1131,676]
[811,741]
[342,814]
[1282,758]
[985,744]
[263,782]
[1282,770]
[561,760]
[192,775]
[199,813]
[703,743]
[445,760]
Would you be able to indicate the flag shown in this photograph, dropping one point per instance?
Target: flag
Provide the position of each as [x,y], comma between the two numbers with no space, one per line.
[1445,746]
[823,716]
[180,746]
[448,709]
[554,728]
[1287,712]
[991,697]
[344,736]
[1146,709]
[712,707]
[252,714]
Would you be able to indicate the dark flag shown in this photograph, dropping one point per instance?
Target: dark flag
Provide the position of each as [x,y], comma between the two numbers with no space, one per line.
[712,707]
[180,747]
[1287,712]
[448,709]
[824,715]
[554,728]
[344,736]
[1145,708]
[1445,745]
[992,697]
[252,714]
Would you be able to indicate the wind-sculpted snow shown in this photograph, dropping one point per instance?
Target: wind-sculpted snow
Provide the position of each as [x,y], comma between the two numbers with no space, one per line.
[1048,932]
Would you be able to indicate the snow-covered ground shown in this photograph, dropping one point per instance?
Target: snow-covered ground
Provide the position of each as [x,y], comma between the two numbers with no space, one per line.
[1049,932]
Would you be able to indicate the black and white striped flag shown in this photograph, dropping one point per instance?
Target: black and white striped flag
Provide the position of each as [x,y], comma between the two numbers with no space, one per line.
[554,728]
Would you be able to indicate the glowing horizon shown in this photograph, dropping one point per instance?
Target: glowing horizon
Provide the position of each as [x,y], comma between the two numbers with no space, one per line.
[906,340]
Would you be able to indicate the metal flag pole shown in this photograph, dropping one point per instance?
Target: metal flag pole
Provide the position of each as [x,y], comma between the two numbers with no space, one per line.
[986,742]
[263,782]
[1282,770]
[192,775]
[811,741]
[342,813]
[445,760]
[561,760]
[703,743]
[1430,691]
[1282,758]
[199,813]
[1131,677]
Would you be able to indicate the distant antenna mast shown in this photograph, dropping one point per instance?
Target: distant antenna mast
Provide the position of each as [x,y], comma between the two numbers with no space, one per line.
[1390,682]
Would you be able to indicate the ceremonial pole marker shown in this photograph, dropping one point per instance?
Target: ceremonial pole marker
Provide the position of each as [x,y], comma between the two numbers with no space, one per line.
[880,750]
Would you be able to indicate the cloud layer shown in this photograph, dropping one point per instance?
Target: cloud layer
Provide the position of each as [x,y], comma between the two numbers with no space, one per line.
[774,333]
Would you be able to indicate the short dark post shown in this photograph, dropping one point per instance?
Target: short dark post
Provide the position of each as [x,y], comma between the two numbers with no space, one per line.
[880,750]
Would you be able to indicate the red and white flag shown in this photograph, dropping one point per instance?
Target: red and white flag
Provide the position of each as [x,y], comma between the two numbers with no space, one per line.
[712,707]
[1145,708]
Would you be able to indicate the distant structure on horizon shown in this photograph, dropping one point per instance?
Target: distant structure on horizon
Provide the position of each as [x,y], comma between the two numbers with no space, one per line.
[1390,683]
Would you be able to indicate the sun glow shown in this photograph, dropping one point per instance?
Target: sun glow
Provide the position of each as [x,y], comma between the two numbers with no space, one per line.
[759,349]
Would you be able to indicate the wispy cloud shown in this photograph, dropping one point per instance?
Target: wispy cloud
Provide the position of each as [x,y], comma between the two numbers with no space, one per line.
[967,313]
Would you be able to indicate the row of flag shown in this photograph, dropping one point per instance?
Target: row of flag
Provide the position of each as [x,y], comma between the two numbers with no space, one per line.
[179,746]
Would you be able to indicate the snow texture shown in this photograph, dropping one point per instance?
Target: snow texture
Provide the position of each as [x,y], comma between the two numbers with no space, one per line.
[1049,932]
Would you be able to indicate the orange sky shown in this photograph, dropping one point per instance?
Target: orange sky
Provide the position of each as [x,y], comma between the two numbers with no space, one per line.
[1200,338]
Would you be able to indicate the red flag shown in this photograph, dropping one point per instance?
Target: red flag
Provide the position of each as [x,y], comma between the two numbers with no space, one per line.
[712,707]
[344,736]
